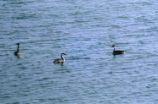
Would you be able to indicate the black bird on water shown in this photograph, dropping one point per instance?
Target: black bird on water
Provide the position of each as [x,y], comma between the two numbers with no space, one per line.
[60,60]
[17,52]
[117,52]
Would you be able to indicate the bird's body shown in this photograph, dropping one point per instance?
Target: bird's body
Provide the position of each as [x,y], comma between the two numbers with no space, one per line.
[17,52]
[60,60]
[117,52]
[56,61]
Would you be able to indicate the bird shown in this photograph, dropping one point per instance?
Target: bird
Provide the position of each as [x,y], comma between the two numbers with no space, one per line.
[17,52]
[117,52]
[60,60]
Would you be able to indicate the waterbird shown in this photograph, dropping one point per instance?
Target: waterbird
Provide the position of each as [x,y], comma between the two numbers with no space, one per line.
[60,60]
[117,52]
[17,52]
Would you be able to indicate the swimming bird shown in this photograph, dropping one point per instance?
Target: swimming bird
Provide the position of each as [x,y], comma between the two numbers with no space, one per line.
[117,52]
[60,60]
[17,52]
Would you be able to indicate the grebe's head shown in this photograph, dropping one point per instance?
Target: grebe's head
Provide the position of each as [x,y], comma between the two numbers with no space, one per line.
[63,54]
[113,46]
[17,43]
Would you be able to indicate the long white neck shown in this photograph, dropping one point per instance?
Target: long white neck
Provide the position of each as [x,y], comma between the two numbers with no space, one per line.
[62,57]
[114,48]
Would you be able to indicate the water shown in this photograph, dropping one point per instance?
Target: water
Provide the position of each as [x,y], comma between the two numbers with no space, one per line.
[85,30]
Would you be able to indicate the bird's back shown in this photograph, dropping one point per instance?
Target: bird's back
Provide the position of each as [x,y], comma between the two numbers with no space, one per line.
[16,53]
[117,52]
[56,61]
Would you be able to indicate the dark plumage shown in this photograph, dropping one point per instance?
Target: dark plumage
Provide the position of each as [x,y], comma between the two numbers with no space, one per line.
[60,60]
[117,52]
[17,52]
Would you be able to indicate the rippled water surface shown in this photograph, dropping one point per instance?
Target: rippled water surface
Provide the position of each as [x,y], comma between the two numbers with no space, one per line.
[85,30]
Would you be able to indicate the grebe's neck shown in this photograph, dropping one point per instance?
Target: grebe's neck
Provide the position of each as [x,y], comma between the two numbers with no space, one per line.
[18,48]
[114,48]
[62,57]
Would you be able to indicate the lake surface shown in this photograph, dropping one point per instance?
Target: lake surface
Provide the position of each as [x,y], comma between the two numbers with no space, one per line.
[85,30]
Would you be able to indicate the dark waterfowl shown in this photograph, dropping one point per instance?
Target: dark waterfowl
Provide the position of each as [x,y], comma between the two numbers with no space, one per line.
[60,60]
[117,52]
[17,52]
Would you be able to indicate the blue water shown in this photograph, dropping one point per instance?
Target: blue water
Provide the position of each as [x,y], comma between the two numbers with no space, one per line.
[85,30]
